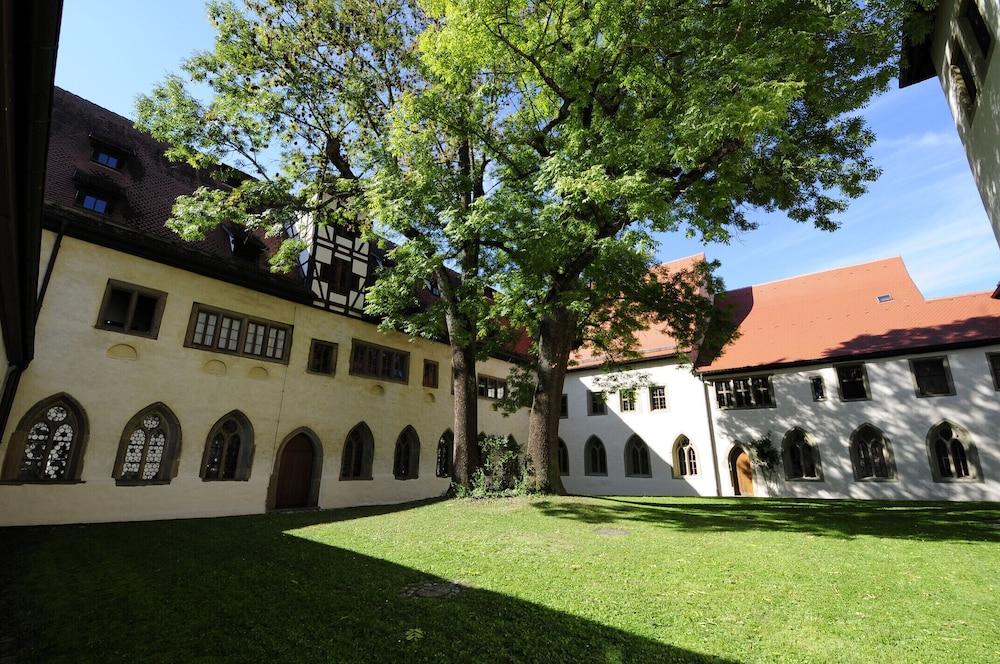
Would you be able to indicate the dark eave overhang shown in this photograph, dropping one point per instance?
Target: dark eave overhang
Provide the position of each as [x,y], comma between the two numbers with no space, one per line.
[175,254]
[29,36]
[915,62]
[854,357]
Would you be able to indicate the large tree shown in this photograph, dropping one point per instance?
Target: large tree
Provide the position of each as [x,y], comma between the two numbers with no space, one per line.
[327,104]
[628,118]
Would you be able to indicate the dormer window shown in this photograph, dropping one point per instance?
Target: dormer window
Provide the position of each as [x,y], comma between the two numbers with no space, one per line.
[107,158]
[107,153]
[94,201]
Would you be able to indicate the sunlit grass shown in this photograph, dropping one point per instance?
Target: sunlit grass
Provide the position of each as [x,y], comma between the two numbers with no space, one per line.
[555,579]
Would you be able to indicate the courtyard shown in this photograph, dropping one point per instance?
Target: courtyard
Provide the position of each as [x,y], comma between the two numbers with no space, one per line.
[548,579]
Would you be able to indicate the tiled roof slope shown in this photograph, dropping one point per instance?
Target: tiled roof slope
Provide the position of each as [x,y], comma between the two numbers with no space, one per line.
[836,314]
[652,343]
[148,181]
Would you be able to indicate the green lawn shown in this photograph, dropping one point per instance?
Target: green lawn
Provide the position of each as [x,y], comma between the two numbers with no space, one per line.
[550,580]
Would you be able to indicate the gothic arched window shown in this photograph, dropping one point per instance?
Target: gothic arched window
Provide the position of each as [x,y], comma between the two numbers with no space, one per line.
[871,454]
[800,456]
[563,454]
[637,458]
[406,461]
[229,449]
[359,451]
[685,458]
[595,458]
[953,456]
[48,443]
[149,447]
[445,450]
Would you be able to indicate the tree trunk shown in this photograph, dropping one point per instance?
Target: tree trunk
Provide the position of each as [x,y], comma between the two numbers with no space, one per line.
[466,413]
[555,341]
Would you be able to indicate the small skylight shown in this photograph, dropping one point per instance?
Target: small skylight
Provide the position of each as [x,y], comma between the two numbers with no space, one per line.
[882,299]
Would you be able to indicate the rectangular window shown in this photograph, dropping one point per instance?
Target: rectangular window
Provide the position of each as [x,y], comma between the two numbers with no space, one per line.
[564,406]
[131,309]
[596,404]
[853,381]
[658,397]
[994,361]
[237,334]
[932,376]
[626,401]
[430,373]
[492,388]
[94,202]
[980,30]
[963,73]
[818,388]
[744,392]
[107,157]
[380,362]
[322,357]
[340,280]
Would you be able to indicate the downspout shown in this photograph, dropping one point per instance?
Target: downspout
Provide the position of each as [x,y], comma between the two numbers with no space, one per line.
[48,269]
[711,438]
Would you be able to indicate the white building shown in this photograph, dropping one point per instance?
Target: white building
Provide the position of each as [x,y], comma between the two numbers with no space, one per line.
[864,388]
[962,52]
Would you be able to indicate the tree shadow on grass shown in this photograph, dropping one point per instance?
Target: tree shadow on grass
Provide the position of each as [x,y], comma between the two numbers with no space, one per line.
[941,521]
[249,589]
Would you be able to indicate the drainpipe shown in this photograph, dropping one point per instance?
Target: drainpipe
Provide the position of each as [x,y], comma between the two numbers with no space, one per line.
[711,438]
[48,269]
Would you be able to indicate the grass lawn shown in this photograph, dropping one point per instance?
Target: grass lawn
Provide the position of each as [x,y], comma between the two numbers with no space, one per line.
[548,580]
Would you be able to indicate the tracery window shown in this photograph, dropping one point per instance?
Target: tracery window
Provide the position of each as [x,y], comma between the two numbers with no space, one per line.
[954,458]
[445,450]
[685,458]
[800,456]
[871,454]
[47,445]
[229,449]
[148,448]
[359,452]
[637,458]
[595,458]
[406,461]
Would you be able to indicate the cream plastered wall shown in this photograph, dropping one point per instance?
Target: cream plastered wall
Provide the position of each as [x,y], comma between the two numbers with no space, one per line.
[200,387]
[895,409]
[686,415]
[980,128]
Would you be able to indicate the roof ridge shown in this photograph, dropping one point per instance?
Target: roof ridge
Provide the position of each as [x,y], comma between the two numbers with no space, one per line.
[832,269]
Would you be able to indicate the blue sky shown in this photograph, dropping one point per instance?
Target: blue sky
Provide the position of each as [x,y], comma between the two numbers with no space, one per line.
[925,207]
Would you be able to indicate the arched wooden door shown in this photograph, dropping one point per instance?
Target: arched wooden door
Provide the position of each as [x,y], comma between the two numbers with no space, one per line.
[295,473]
[742,472]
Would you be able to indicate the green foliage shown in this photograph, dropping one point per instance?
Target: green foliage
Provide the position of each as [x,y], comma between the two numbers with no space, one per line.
[501,472]
[763,452]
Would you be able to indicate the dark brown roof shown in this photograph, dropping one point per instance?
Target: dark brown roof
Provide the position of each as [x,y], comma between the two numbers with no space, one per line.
[146,185]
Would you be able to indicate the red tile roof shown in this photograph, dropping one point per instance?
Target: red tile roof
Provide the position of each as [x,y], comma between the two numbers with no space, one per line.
[836,314]
[653,342]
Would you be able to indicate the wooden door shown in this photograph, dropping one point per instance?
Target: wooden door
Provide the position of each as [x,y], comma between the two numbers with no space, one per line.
[744,474]
[295,472]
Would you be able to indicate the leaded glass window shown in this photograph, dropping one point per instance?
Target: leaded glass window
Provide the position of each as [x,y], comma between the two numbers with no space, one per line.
[685,458]
[637,458]
[870,454]
[47,444]
[954,457]
[149,447]
[359,450]
[595,458]
[406,462]
[801,458]
[229,449]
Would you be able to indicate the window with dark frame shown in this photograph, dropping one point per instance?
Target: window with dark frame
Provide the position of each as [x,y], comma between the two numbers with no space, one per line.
[657,397]
[685,458]
[371,361]
[237,334]
[994,361]
[870,454]
[637,458]
[339,274]
[962,73]
[359,452]
[94,201]
[932,376]
[744,392]
[430,374]
[406,459]
[979,27]
[229,449]
[491,388]
[564,406]
[596,404]
[48,443]
[595,458]
[563,457]
[818,388]
[148,447]
[853,382]
[322,357]
[131,309]
[108,157]
[626,401]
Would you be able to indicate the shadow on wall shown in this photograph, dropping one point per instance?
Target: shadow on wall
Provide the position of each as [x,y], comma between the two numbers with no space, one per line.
[956,331]
[244,589]
[961,522]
